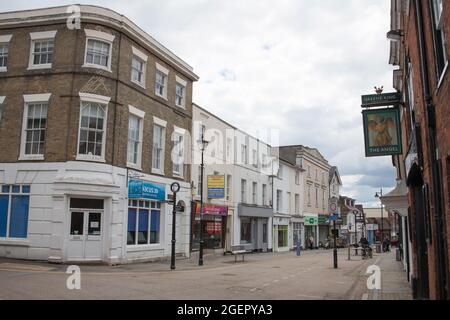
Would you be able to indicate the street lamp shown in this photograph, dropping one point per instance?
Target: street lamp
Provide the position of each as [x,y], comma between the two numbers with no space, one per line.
[379,195]
[203,145]
[175,187]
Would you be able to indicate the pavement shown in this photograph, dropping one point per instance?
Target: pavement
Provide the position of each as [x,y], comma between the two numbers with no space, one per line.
[270,276]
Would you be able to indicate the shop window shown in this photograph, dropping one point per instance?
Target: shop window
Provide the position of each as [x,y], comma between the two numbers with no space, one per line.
[265,233]
[282,236]
[77,203]
[143,222]
[14,207]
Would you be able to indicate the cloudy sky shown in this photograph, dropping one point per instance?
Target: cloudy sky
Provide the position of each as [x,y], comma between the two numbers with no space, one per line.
[299,66]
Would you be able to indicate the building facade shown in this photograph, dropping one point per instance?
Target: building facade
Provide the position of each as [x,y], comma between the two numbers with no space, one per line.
[242,165]
[419,50]
[92,128]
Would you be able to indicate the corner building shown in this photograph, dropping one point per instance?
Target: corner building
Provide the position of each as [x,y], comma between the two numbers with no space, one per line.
[90,121]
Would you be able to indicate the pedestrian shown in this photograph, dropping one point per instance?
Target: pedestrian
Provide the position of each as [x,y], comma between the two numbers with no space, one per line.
[311,242]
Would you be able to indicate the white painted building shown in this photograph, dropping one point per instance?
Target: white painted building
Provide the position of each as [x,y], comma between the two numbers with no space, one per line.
[239,158]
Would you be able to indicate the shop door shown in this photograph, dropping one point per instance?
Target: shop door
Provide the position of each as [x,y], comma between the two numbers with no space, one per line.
[85,236]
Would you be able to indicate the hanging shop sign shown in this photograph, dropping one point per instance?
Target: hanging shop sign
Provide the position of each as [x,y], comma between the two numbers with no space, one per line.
[382,132]
[216,187]
[380,100]
[138,189]
[311,220]
[323,219]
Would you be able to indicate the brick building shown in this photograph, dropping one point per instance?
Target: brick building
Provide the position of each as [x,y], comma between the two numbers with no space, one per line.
[93,126]
[419,47]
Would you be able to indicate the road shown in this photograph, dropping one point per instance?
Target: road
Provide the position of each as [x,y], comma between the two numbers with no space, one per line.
[273,276]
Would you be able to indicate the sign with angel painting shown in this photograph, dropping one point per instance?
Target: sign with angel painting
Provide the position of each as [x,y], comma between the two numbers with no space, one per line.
[382,132]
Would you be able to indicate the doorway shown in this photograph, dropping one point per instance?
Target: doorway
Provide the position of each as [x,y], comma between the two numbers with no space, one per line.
[85,230]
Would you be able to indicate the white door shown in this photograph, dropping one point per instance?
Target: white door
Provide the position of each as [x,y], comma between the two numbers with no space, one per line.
[85,235]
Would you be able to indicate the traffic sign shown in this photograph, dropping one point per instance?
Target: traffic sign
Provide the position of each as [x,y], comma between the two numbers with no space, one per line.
[333,218]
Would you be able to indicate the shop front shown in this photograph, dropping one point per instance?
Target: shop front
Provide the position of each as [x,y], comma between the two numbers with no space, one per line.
[213,225]
[324,229]
[280,233]
[297,232]
[311,222]
[253,224]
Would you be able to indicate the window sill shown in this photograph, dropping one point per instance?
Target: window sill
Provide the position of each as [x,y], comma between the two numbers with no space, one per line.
[180,106]
[94,66]
[142,85]
[3,69]
[31,158]
[178,175]
[134,166]
[90,158]
[144,247]
[40,67]
[160,96]
[14,242]
[157,171]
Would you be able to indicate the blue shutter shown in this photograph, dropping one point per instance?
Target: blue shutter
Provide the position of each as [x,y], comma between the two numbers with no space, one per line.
[132,220]
[143,220]
[4,200]
[155,221]
[18,225]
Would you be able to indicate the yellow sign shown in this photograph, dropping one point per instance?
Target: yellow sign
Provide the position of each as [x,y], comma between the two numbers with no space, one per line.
[216,187]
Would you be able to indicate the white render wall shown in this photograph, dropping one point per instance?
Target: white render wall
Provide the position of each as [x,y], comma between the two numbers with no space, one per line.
[52,185]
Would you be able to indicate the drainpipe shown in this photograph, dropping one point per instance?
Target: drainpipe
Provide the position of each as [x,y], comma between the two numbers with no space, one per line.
[431,121]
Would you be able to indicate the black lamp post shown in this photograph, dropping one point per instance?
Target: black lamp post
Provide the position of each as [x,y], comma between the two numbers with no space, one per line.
[379,195]
[203,144]
[175,187]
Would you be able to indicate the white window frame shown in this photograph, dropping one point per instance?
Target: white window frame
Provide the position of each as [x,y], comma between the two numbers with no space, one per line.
[98,36]
[5,39]
[89,97]
[31,98]
[165,72]
[144,58]
[183,83]
[243,191]
[297,177]
[163,124]
[264,194]
[255,193]
[41,36]
[177,133]
[2,107]
[141,116]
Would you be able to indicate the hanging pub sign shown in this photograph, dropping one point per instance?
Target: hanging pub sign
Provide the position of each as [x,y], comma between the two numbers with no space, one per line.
[381,100]
[382,132]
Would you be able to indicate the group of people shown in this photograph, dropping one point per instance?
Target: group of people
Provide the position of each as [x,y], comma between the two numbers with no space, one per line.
[386,245]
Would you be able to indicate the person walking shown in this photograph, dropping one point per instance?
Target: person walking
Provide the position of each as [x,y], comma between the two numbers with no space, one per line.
[311,242]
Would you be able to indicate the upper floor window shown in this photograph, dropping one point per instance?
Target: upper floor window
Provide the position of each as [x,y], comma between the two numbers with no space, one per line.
[309,195]
[264,194]
[158,145]
[243,191]
[14,207]
[297,177]
[180,92]
[98,49]
[280,172]
[92,130]
[42,47]
[138,67]
[178,151]
[440,38]
[34,126]
[135,133]
[162,75]
[297,203]
[229,180]
[244,154]
[279,200]
[255,193]
[4,52]
[255,158]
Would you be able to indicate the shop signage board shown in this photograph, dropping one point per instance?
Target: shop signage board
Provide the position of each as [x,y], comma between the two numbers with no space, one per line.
[382,132]
[216,187]
[323,219]
[210,209]
[379,100]
[138,189]
[311,220]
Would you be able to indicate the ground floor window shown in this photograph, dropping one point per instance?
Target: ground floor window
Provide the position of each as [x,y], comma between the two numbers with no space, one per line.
[144,219]
[264,232]
[246,230]
[14,207]
[282,236]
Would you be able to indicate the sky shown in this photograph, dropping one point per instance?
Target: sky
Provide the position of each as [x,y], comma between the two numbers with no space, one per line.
[297,66]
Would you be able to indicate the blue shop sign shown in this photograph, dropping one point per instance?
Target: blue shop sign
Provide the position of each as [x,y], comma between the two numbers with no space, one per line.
[138,189]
